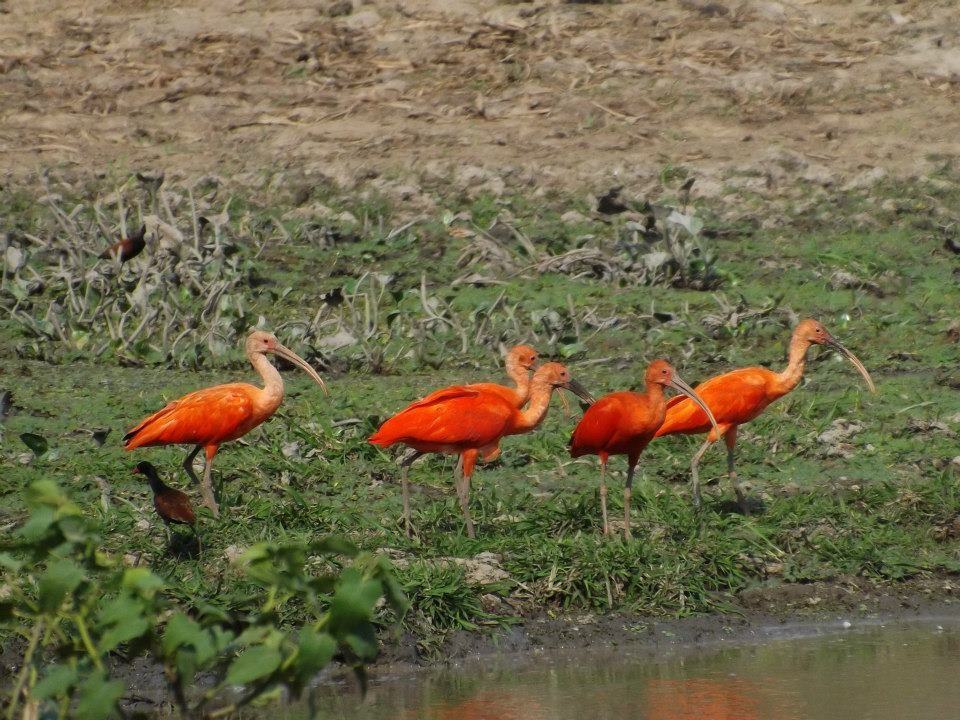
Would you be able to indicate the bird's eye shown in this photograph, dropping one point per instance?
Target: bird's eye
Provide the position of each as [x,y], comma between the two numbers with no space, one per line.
[663,372]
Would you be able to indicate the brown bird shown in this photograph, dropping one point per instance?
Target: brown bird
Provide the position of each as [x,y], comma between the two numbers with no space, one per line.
[738,396]
[210,417]
[173,506]
[127,248]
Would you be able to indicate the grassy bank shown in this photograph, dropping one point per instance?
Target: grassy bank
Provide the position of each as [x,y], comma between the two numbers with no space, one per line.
[390,303]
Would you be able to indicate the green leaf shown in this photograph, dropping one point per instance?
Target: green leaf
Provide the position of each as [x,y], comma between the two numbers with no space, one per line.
[10,563]
[36,527]
[98,699]
[121,620]
[37,443]
[334,546]
[143,581]
[180,630]
[253,663]
[60,579]
[57,681]
[314,651]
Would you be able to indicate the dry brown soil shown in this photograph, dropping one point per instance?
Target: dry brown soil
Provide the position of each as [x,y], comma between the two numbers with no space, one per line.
[485,94]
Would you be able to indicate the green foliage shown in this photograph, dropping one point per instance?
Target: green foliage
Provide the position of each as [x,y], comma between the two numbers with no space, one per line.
[80,606]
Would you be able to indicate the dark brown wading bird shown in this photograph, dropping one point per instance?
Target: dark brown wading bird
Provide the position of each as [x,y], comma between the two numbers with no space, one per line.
[212,416]
[741,395]
[173,506]
[128,248]
[624,423]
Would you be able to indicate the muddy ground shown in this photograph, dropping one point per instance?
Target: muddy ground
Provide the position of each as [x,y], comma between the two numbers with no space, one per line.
[409,94]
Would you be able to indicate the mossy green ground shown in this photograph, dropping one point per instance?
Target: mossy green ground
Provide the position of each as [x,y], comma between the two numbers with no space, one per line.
[882,506]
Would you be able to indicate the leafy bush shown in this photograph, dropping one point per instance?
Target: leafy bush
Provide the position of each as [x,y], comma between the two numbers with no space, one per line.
[76,606]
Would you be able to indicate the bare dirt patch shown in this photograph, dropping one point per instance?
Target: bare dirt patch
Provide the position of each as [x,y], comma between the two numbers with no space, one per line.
[746,93]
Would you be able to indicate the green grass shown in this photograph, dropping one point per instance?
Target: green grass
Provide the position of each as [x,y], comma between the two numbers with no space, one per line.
[873,514]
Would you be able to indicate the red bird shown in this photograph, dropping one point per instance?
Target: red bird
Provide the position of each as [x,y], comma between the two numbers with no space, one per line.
[520,360]
[466,420]
[173,506]
[741,395]
[624,423]
[127,248]
[206,418]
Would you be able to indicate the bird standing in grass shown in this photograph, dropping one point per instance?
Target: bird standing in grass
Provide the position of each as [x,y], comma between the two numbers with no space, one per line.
[520,361]
[173,506]
[624,423]
[127,248]
[741,395]
[468,420]
[212,416]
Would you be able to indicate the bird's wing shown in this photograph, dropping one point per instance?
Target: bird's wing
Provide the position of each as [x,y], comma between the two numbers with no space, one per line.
[211,415]
[460,418]
[443,395]
[733,398]
[598,426]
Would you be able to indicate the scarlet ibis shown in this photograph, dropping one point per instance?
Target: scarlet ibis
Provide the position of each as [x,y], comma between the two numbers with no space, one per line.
[741,395]
[173,506]
[624,423]
[206,418]
[520,361]
[127,248]
[468,420]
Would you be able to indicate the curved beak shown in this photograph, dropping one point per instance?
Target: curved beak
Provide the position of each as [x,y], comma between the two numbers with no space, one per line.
[677,384]
[290,355]
[832,342]
[578,390]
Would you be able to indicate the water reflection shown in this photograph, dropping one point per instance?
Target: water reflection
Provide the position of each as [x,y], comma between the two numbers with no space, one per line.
[879,674]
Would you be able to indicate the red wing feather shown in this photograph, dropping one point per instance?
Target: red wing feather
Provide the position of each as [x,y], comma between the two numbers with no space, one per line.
[460,418]
[209,416]
[735,397]
[597,427]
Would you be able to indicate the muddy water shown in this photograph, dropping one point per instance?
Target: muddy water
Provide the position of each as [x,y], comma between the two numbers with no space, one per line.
[878,673]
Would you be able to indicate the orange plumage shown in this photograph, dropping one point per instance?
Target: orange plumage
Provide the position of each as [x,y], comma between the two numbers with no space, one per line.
[624,423]
[468,420]
[741,395]
[212,416]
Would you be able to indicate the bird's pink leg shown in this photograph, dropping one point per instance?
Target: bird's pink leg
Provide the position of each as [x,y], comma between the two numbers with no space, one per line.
[627,499]
[463,488]
[405,463]
[731,440]
[695,472]
[603,492]
[206,488]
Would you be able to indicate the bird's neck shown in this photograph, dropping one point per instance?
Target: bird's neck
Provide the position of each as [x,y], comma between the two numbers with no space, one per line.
[657,399]
[527,420]
[156,484]
[521,379]
[272,392]
[796,361]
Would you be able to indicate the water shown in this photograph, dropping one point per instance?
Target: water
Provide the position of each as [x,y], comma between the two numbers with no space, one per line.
[880,673]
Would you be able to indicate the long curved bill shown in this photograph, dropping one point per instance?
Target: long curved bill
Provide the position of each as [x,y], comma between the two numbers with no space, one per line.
[677,384]
[290,355]
[832,342]
[578,390]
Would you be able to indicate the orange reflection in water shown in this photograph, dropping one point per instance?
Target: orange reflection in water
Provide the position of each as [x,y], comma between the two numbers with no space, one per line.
[498,705]
[709,699]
